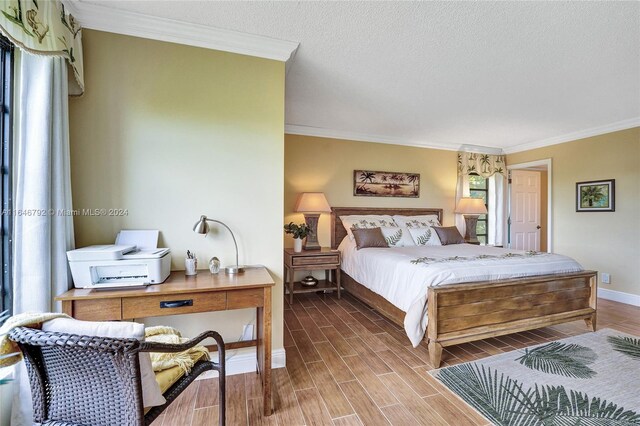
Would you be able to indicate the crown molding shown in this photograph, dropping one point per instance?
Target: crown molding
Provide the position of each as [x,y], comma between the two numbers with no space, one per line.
[103,18]
[570,137]
[294,129]
[364,137]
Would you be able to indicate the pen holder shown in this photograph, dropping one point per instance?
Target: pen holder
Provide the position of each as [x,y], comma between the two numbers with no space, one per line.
[190,266]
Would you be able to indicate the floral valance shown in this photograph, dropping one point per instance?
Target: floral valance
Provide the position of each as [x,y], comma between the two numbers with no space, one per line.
[485,165]
[42,27]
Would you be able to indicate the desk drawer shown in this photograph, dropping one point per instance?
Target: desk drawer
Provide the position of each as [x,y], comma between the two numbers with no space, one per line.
[250,298]
[316,260]
[97,309]
[185,303]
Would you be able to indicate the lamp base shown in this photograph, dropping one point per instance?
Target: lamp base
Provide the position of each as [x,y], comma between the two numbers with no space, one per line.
[471,221]
[311,242]
[234,269]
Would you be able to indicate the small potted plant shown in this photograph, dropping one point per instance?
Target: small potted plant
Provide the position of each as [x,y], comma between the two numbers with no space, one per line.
[299,232]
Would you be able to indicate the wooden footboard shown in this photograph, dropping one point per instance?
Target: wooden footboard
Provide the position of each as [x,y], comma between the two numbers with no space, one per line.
[462,313]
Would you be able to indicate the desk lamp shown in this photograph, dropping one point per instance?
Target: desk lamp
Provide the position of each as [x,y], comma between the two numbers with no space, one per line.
[202,227]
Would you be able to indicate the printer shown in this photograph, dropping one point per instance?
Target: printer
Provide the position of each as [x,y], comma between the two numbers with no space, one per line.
[118,266]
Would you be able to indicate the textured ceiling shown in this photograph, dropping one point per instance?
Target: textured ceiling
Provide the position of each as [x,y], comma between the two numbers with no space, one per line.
[444,74]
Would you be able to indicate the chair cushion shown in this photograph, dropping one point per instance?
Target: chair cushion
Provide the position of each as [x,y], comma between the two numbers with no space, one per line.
[151,394]
[167,378]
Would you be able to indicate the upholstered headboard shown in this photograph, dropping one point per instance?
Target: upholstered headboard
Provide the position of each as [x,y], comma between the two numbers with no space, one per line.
[338,231]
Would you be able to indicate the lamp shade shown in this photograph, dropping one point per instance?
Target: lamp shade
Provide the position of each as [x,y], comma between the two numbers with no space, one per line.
[468,205]
[201,227]
[312,202]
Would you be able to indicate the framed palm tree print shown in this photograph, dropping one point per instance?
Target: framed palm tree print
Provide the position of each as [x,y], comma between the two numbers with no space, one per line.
[596,196]
[369,183]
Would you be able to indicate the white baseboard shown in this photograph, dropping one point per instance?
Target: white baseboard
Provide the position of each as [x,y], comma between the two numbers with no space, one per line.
[618,296]
[244,361]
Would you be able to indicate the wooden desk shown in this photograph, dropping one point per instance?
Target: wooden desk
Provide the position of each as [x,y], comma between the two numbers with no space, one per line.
[180,294]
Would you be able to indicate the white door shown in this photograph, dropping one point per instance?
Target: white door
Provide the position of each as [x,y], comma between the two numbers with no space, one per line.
[525,210]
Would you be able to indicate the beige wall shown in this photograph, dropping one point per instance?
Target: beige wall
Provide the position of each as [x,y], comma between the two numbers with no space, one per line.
[607,242]
[327,165]
[171,132]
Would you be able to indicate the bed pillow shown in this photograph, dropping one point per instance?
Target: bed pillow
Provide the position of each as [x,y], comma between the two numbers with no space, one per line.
[424,236]
[369,238]
[422,221]
[397,237]
[151,395]
[449,235]
[366,222]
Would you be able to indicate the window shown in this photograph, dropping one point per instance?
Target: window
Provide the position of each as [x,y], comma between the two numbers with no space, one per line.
[479,188]
[6,225]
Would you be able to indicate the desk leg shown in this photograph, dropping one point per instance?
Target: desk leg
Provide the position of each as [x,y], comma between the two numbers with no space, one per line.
[67,307]
[263,318]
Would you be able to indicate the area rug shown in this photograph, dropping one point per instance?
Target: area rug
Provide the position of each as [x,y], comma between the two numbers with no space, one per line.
[591,379]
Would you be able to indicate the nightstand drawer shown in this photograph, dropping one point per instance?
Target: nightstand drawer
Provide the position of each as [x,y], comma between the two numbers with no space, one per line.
[316,260]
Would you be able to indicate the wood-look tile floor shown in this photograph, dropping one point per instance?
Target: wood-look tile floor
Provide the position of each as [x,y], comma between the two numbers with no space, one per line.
[347,365]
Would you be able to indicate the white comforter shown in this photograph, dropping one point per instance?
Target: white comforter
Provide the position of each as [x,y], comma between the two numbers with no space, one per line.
[391,273]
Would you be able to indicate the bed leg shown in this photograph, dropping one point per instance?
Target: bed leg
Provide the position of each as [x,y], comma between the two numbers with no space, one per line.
[591,322]
[435,353]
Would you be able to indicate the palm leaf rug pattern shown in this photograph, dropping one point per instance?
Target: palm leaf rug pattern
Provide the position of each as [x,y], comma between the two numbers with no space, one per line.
[566,375]
[558,358]
[626,345]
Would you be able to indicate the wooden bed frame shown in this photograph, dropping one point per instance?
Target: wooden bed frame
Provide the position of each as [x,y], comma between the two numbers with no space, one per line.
[474,311]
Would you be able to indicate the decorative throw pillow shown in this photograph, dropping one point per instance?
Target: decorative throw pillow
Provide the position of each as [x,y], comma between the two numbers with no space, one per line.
[425,236]
[421,221]
[366,222]
[397,237]
[369,238]
[151,395]
[449,235]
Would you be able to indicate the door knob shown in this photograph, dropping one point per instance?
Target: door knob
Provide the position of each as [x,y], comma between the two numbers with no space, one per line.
[538,227]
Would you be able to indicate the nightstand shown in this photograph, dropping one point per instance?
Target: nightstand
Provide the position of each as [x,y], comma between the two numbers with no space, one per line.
[312,260]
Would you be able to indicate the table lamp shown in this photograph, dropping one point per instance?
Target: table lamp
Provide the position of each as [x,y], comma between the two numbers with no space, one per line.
[202,227]
[471,208]
[312,204]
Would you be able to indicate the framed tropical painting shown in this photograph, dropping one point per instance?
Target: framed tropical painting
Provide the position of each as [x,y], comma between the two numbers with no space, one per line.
[369,183]
[596,196]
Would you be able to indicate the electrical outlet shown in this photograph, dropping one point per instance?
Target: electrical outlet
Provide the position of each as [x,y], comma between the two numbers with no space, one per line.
[247,332]
[606,278]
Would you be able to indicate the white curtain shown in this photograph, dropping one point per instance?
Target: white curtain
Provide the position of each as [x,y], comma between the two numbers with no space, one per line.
[492,167]
[462,190]
[42,191]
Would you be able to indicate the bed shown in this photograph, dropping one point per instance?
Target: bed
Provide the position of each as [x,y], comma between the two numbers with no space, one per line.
[469,311]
